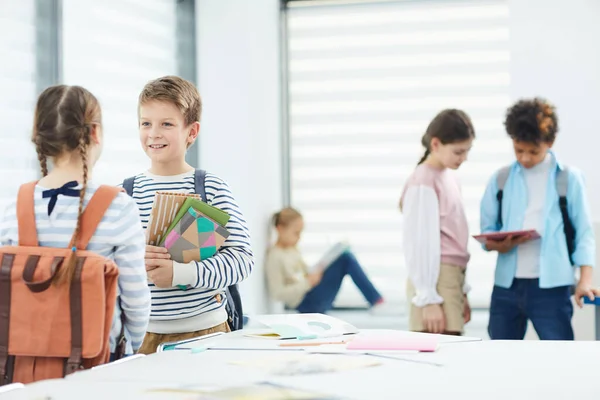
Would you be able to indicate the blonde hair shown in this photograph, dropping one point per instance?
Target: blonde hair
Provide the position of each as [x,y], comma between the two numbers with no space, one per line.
[285,216]
[177,91]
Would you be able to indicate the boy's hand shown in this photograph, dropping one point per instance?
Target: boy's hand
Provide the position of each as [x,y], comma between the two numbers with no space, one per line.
[434,320]
[467,310]
[585,289]
[507,244]
[155,252]
[160,272]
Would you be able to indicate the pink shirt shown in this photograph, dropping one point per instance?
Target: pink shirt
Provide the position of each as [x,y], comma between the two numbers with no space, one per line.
[435,228]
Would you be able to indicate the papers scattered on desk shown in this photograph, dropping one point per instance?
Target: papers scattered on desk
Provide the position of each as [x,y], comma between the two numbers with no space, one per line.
[255,391]
[291,364]
[302,326]
[394,342]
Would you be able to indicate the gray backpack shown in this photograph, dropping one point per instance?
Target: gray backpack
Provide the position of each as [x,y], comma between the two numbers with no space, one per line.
[562,185]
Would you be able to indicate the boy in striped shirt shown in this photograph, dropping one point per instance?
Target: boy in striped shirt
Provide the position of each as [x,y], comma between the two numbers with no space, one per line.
[169,113]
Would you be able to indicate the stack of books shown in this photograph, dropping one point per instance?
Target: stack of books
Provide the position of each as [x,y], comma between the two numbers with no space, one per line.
[189,228]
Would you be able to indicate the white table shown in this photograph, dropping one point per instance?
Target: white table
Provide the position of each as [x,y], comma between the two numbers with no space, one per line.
[469,370]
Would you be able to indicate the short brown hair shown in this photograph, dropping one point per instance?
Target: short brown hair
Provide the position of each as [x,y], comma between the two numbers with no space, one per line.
[178,91]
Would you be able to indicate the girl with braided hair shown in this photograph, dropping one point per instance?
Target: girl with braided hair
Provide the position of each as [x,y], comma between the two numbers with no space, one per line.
[67,134]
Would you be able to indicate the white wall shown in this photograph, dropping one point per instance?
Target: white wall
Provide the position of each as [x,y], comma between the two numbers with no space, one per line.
[240,138]
[554,53]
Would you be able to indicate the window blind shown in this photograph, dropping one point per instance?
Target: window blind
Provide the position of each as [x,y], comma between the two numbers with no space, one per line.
[364,80]
[112,48]
[18,162]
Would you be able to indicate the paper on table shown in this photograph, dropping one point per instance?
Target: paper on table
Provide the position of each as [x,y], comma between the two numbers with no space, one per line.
[252,391]
[291,364]
[307,326]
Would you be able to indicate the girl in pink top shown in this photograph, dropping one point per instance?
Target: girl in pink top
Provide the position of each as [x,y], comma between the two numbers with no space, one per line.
[435,231]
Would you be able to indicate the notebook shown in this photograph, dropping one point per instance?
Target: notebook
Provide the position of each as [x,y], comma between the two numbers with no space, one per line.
[169,207]
[391,342]
[195,237]
[165,207]
[331,255]
[499,236]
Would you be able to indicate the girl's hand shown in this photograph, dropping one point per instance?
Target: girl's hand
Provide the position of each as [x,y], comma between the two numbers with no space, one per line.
[434,319]
[314,278]
[507,244]
[467,310]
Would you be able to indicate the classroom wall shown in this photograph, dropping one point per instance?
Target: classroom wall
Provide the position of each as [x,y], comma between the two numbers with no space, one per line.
[239,80]
[553,53]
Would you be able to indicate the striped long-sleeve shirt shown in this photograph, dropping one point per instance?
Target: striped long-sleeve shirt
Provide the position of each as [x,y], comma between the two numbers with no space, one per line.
[201,306]
[119,236]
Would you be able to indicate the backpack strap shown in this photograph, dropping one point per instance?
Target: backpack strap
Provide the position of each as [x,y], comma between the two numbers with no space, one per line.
[26,215]
[199,182]
[128,185]
[562,186]
[6,361]
[501,179]
[94,212]
[562,182]
[233,305]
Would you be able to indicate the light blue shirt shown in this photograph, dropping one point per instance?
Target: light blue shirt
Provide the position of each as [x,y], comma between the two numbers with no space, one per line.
[555,267]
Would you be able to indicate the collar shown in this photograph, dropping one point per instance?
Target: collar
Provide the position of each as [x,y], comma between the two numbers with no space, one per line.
[555,163]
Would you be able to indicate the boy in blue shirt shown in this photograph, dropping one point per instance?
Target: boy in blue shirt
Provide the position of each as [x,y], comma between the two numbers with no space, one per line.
[534,277]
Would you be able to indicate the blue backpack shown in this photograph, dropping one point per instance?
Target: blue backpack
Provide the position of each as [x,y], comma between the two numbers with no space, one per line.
[233,303]
[562,185]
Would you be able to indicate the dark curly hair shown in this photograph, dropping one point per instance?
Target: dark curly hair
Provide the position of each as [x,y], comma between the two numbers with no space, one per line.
[532,121]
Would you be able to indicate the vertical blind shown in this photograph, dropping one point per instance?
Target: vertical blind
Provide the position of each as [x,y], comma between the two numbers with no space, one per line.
[364,80]
[17,95]
[112,48]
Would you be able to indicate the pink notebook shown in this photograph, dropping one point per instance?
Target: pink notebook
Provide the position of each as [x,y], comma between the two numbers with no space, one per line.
[425,343]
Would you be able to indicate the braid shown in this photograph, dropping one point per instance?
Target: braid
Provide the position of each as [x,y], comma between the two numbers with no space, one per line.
[82,148]
[42,159]
[66,274]
[422,160]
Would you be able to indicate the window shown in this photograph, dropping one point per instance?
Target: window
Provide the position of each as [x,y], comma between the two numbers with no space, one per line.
[364,82]
[18,163]
[112,48]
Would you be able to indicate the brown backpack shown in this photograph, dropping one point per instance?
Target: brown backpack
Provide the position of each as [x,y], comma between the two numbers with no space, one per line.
[50,330]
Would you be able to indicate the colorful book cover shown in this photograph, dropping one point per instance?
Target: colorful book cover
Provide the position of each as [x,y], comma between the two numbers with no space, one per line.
[217,215]
[195,237]
[164,209]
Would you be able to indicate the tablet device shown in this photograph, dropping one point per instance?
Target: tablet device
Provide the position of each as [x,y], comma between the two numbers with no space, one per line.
[500,236]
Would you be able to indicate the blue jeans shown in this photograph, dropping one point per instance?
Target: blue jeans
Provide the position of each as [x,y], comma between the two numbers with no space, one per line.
[320,298]
[550,311]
